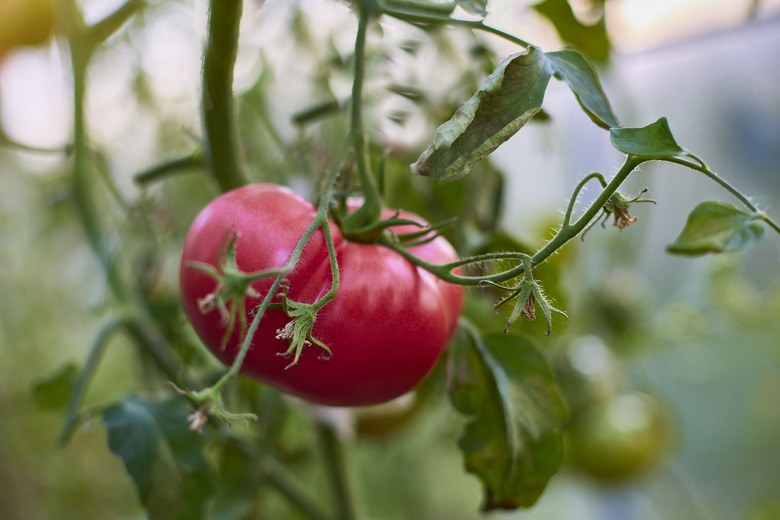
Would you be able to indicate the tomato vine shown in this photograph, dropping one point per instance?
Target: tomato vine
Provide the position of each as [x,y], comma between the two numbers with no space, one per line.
[482,366]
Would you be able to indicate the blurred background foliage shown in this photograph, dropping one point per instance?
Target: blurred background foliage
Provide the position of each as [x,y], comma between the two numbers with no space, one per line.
[673,364]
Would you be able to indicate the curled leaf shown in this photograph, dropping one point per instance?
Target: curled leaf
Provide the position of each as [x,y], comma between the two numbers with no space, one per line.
[716,227]
[505,102]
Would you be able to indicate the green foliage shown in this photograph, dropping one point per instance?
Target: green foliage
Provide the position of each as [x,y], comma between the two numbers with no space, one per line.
[505,102]
[717,227]
[573,69]
[515,418]
[654,141]
[163,456]
[592,40]
[513,441]
[53,391]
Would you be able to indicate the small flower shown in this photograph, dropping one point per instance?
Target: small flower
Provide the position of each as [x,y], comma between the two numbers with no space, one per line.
[529,308]
[198,420]
[622,217]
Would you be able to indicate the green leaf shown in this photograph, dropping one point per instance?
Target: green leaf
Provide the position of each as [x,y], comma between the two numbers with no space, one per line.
[505,102]
[475,7]
[162,455]
[53,391]
[572,68]
[513,442]
[654,140]
[592,40]
[716,227]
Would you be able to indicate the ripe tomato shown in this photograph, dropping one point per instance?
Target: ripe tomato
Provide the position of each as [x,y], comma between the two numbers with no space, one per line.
[386,327]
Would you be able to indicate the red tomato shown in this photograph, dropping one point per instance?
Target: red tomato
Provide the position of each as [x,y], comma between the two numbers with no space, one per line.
[386,327]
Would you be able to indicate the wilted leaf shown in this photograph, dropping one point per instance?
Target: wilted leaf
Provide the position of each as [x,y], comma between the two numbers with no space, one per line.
[592,40]
[510,96]
[53,391]
[654,140]
[513,442]
[162,455]
[716,227]
[574,70]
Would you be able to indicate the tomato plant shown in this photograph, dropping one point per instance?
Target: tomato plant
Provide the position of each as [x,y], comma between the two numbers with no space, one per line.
[384,330]
[343,301]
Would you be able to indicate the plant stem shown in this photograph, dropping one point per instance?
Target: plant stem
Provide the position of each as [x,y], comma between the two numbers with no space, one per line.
[335,461]
[701,168]
[190,162]
[95,353]
[577,190]
[143,329]
[292,490]
[369,213]
[432,19]
[566,233]
[218,106]
[569,231]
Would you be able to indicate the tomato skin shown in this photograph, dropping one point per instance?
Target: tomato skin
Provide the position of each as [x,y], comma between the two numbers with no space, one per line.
[386,327]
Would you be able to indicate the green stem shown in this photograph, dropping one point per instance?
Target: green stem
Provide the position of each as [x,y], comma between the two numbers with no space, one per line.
[432,19]
[291,489]
[95,353]
[702,168]
[576,193]
[566,233]
[157,173]
[569,231]
[444,271]
[218,106]
[147,335]
[336,464]
[370,211]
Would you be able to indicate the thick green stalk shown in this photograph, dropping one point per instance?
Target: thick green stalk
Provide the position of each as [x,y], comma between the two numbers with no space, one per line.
[218,103]
[369,213]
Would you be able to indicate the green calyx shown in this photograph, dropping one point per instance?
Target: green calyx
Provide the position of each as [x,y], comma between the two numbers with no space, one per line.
[526,295]
[298,330]
[233,286]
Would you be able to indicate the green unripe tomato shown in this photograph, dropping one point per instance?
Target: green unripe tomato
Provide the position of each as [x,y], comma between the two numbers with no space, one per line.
[620,438]
[25,23]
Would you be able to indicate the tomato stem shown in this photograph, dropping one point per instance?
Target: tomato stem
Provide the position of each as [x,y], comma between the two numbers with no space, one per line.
[218,105]
[432,19]
[700,167]
[369,213]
